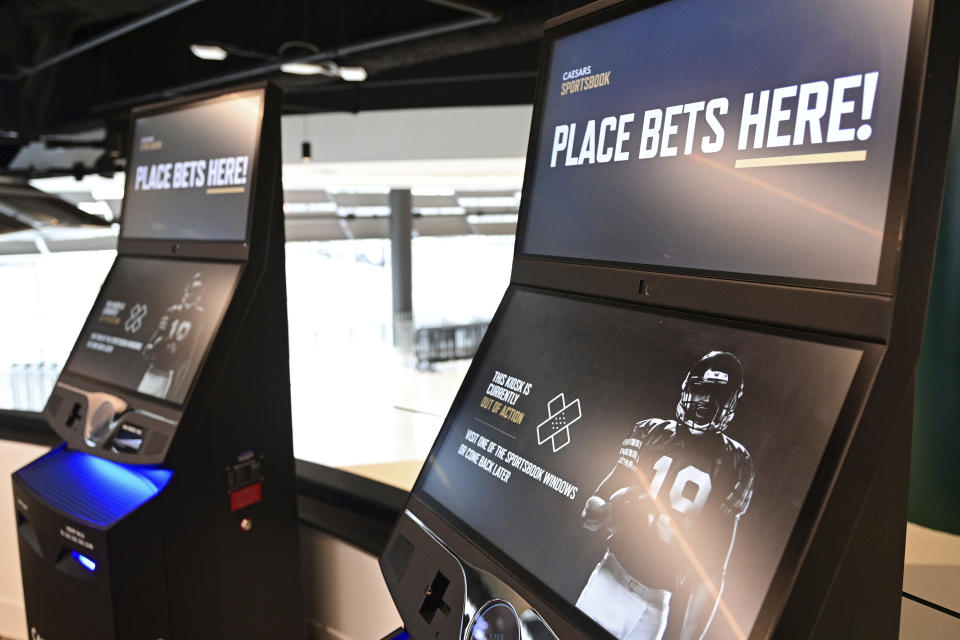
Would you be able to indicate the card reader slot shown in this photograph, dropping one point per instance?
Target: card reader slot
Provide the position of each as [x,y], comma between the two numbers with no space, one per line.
[28,533]
[75,417]
[75,564]
[433,600]
[128,438]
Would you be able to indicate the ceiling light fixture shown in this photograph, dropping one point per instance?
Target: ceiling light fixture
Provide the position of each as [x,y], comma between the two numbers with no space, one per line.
[327,68]
[303,68]
[208,51]
[353,74]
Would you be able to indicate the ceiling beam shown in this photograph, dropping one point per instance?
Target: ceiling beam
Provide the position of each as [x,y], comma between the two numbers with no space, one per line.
[107,36]
[261,70]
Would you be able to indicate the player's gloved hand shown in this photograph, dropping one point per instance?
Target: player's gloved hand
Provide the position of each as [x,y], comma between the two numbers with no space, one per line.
[596,513]
[627,496]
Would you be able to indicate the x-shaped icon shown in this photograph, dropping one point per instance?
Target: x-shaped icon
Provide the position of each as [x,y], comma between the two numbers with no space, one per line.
[135,322]
[556,428]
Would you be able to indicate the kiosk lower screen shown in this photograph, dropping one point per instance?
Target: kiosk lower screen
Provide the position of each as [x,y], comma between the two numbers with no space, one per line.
[152,323]
[629,460]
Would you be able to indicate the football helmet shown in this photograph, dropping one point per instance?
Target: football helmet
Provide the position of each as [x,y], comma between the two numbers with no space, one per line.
[193,292]
[709,393]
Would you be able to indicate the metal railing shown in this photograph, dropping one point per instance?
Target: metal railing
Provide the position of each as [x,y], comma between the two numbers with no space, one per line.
[438,344]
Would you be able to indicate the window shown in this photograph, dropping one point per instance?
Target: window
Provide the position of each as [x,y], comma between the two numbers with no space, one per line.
[361,403]
[45,299]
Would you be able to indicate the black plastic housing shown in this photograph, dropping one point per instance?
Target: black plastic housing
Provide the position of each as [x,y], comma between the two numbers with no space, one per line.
[197,560]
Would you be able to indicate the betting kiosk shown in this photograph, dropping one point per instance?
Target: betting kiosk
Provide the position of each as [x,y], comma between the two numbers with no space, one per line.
[170,510]
[690,417]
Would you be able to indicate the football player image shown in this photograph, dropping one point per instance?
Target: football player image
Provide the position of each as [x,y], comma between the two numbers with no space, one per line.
[670,507]
[170,349]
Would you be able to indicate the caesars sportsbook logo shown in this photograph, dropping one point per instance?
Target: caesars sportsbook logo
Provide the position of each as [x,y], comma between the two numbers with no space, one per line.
[583,79]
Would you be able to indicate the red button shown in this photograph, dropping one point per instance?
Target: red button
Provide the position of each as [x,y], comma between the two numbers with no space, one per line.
[242,498]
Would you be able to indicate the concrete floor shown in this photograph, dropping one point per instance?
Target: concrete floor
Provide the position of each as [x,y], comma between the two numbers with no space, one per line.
[931,573]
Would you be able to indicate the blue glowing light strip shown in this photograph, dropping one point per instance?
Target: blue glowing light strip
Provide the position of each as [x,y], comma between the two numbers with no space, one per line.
[87,563]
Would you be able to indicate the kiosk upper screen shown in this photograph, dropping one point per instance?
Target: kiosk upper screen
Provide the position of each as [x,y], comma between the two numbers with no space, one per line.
[152,324]
[746,137]
[190,171]
[621,456]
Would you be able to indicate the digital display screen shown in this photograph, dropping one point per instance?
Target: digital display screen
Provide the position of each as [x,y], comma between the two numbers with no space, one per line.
[152,324]
[190,171]
[647,468]
[744,137]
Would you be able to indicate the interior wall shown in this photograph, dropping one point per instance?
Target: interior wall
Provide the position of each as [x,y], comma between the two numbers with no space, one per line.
[934,482]
[13,619]
[345,594]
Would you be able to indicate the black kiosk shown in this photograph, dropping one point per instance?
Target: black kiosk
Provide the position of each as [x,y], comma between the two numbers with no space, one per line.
[690,417]
[169,513]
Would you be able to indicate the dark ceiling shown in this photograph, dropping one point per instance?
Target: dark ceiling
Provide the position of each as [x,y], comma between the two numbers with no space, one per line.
[418,53]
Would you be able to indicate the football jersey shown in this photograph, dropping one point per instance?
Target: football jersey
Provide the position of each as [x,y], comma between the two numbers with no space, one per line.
[685,490]
[175,337]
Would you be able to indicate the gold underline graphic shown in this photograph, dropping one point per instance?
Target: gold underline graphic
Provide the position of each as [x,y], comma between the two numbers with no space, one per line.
[806,158]
[783,193]
[215,190]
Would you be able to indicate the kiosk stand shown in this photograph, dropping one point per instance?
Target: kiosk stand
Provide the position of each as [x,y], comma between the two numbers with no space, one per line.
[170,510]
[690,417]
